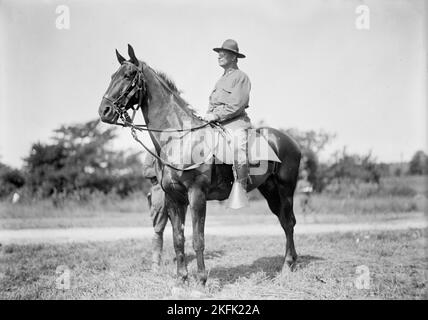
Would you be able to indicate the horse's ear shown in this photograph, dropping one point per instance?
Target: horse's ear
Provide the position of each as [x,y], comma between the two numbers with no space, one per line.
[119,57]
[131,54]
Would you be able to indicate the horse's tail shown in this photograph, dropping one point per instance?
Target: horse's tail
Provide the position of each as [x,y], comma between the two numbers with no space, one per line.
[288,151]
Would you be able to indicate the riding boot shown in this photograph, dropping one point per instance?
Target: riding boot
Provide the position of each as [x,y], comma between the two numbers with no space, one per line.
[238,196]
[157,244]
[242,175]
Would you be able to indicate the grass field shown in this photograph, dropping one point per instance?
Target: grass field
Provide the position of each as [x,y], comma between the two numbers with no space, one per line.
[106,210]
[418,183]
[239,268]
[322,209]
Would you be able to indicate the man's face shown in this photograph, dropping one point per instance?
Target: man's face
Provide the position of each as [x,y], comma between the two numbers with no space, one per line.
[226,58]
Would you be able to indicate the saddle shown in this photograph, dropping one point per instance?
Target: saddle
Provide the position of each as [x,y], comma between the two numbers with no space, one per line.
[192,149]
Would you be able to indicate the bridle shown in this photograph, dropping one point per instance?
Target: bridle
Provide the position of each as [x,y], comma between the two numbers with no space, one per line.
[138,86]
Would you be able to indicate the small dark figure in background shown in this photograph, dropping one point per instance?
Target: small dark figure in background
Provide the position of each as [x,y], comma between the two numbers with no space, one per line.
[304,187]
[158,213]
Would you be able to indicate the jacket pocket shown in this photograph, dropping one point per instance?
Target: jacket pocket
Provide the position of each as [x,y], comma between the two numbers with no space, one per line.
[225,94]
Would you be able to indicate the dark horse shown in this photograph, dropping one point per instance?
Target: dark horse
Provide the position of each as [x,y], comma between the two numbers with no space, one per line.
[135,83]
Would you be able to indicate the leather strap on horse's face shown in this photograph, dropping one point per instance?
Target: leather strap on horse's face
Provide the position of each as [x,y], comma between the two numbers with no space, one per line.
[136,86]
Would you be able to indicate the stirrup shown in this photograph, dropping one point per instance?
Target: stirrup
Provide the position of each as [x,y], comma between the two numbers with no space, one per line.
[238,197]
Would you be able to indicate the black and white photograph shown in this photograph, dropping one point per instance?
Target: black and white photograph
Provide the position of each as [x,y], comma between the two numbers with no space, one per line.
[226,151]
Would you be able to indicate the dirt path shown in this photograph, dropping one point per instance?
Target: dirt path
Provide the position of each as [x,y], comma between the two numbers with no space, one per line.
[24,236]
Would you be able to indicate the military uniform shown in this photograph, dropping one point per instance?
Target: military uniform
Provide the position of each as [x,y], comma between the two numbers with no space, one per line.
[158,213]
[227,102]
[304,187]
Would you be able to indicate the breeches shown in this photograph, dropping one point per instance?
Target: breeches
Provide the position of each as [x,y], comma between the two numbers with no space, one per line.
[239,139]
[159,219]
[158,214]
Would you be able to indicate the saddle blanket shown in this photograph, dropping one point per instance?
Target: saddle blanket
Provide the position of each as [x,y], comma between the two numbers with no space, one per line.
[191,149]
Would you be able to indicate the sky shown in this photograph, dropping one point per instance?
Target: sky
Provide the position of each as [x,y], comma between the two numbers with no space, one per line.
[310,67]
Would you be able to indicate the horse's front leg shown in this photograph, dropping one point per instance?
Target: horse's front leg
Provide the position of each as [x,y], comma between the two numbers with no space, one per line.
[177,214]
[198,207]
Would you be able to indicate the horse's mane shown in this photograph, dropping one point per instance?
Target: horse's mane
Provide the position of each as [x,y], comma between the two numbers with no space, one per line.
[171,84]
[173,87]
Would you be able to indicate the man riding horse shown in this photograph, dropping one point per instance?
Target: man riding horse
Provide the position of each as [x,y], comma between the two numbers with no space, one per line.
[227,104]
[135,85]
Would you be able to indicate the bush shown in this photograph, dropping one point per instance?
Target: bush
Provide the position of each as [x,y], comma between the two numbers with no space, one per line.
[321,203]
[81,161]
[347,189]
[419,163]
[398,187]
[10,181]
[80,203]
[398,191]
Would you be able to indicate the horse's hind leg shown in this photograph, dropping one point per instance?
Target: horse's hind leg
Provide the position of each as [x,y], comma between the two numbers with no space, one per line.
[198,206]
[177,214]
[288,221]
[280,200]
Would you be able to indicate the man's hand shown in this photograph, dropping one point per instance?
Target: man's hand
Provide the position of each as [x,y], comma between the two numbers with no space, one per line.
[210,117]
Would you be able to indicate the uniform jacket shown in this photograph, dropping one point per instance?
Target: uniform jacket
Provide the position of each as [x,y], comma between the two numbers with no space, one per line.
[149,167]
[229,99]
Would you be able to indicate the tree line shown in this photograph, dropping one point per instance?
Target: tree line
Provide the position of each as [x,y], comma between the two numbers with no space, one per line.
[345,167]
[79,160]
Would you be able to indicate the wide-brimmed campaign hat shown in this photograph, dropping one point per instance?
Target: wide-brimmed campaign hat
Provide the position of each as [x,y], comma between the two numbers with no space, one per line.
[232,46]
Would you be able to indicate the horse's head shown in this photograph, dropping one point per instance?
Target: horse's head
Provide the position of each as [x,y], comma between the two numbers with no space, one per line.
[125,90]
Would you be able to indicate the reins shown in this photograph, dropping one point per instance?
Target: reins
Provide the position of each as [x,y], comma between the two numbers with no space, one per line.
[138,85]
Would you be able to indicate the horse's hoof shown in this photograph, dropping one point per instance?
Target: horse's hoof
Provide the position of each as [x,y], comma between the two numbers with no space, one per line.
[286,273]
[181,282]
[178,292]
[289,266]
[155,267]
[182,278]
[197,294]
[202,279]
